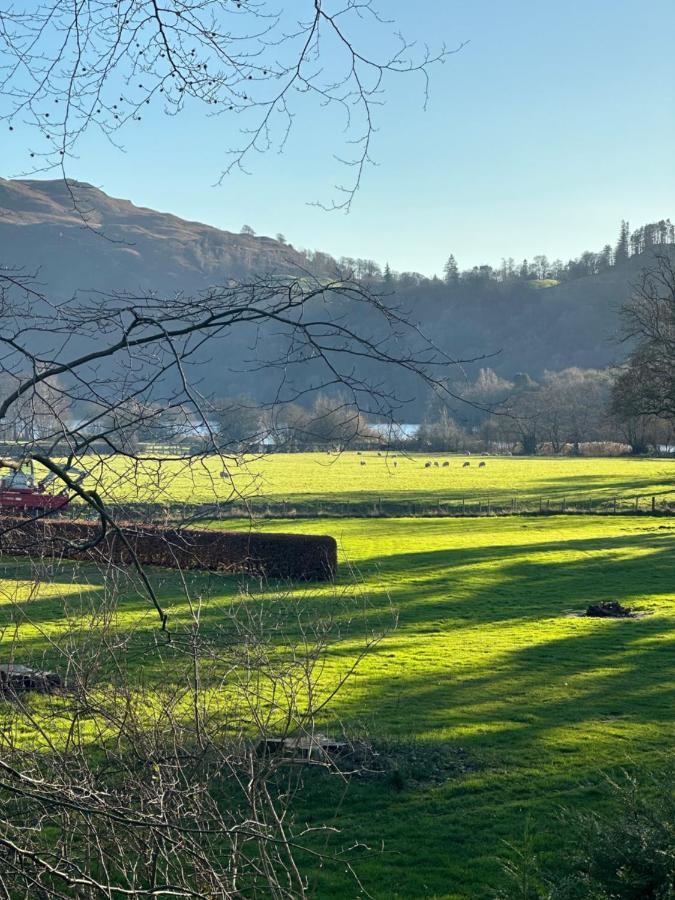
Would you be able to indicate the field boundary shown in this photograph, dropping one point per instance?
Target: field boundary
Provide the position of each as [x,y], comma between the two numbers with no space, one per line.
[273,555]
[385,508]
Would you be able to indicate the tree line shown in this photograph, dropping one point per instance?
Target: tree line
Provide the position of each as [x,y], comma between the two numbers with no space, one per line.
[628,244]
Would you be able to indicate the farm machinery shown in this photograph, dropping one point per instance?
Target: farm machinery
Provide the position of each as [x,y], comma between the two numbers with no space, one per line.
[20,490]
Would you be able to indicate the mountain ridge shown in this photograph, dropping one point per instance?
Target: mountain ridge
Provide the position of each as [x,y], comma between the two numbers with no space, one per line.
[43,222]
[573,323]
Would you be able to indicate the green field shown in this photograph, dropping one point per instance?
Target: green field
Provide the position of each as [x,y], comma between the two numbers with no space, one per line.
[502,704]
[354,483]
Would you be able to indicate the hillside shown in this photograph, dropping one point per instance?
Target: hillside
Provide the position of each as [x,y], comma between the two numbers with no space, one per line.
[518,325]
[82,239]
[524,328]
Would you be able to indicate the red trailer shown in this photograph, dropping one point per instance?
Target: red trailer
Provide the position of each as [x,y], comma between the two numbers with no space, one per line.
[20,492]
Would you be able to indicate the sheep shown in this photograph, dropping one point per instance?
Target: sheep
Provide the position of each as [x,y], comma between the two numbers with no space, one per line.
[481,465]
[427,465]
[395,463]
[363,462]
[464,465]
[446,464]
[224,474]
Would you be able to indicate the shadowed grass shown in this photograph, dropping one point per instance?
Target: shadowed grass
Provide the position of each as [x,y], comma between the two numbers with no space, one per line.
[486,658]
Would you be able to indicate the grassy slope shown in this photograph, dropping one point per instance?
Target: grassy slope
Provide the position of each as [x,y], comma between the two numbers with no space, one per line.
[317,478]
[485,658]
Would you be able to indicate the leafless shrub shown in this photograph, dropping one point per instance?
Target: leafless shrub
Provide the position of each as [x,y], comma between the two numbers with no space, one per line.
[142,777]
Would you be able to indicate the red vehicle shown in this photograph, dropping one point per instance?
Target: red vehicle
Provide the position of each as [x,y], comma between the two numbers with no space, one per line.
[19,491]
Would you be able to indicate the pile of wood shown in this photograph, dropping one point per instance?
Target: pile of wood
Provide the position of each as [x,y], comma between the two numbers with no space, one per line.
[17,679]
[609,609]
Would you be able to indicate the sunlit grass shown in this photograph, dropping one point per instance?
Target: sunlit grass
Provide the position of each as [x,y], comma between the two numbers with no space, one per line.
[488,656]
[367,478]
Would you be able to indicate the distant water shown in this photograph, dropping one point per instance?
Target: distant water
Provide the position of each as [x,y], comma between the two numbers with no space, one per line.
[397,432]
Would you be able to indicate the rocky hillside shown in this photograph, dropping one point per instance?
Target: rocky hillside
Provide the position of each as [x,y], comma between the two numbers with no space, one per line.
[79,238]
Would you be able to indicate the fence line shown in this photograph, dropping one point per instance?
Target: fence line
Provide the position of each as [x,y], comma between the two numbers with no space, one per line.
[455,507]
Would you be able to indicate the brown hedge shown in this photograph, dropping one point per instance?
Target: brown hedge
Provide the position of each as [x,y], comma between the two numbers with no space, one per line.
[296,556]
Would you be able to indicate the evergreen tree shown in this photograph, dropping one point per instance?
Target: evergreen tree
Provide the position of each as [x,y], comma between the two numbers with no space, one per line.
[622,251]
[388,278]
[606,258]
[450,270]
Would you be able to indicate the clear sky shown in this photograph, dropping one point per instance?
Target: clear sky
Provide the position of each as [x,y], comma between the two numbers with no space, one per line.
[555,121]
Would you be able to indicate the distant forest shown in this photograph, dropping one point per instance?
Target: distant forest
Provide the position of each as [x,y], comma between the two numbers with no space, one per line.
[522,323]
[539,269]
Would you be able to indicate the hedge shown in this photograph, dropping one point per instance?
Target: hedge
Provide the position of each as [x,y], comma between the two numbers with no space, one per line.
[296,556]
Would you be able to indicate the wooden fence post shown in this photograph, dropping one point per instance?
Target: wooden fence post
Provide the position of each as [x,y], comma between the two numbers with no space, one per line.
[653,504]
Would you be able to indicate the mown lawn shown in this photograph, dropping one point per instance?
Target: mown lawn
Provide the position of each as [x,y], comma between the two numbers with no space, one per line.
[318,481]
[500,703]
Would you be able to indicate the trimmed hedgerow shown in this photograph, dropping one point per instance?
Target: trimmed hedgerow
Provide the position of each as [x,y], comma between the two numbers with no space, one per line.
[296,556]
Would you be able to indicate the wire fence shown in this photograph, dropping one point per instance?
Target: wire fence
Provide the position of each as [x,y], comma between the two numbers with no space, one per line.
[657,504]
[662,504]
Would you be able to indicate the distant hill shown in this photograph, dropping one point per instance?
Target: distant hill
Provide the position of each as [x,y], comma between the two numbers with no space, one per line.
[80,238]
[530,326]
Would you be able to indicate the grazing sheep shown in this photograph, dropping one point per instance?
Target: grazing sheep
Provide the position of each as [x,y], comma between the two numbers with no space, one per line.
[446,464]
[363,462]
[427,465]
[358,453]
[379,454]
[481,465]
[436,464]
[464,465]
[224,474]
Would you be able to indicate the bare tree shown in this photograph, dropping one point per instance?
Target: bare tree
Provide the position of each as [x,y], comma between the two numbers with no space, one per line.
[118,785]
[646,385]
[113,784]
[69,68]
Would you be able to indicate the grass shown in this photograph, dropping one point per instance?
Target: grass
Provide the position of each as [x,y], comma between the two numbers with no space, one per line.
[353,483]
[486,662]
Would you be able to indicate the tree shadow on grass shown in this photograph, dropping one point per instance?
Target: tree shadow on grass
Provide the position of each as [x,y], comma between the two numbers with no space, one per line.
[545,704]
[520,649]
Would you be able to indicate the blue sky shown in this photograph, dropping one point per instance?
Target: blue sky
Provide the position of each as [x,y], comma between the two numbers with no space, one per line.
[555,121]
